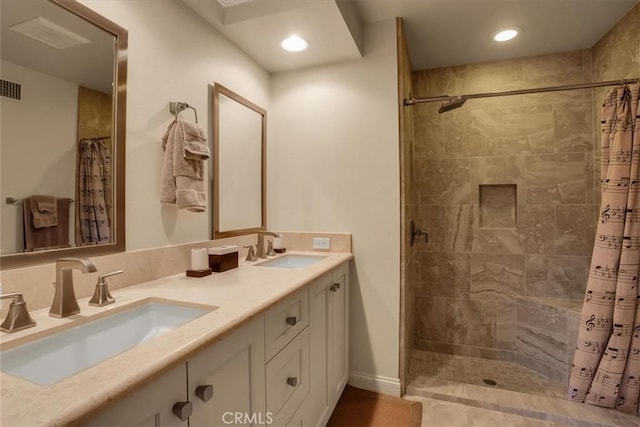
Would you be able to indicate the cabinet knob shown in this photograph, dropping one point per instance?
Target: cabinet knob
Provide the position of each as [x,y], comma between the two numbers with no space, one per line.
[292,381]
[334,287]
[292,320]
[182,410]
[204,392]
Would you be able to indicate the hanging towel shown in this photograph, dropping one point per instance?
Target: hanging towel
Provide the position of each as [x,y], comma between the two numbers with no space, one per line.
[182,179]
[44,211]
[46,237]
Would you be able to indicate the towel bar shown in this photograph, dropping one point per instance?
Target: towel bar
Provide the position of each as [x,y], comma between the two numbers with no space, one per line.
[13,200]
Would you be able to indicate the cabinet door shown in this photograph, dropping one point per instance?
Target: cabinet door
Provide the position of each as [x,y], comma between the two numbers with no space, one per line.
[339,332]
[317,407]
[227,381]
[151,406]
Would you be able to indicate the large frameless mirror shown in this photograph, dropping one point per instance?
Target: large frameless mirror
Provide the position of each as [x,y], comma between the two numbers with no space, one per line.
[239,196]
[62,143]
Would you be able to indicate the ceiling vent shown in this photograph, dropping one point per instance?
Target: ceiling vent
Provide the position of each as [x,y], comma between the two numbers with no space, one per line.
[49,33]
[10,90]
[232,3]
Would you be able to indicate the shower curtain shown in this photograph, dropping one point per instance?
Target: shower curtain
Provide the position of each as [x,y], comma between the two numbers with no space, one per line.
[606,366]
[94,192]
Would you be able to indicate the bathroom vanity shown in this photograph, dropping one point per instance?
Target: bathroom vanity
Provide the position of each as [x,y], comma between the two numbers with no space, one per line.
[271,349]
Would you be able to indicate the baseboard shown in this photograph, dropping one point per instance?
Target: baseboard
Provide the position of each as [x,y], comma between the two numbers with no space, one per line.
[379,384]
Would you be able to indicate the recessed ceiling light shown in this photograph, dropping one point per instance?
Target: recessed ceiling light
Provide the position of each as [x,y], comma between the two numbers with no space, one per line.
[506,34]
[294,44]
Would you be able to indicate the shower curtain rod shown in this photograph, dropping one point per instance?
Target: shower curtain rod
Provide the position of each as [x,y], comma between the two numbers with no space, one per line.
[413,101]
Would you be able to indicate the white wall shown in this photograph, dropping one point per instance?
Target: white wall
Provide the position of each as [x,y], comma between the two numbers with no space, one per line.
[173,56]
[333,166]
[38,140]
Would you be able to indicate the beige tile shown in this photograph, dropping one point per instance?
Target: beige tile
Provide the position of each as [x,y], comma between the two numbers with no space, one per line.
[499,241]
[497,170]
[572,125]
[428,131]
[430,318]
[498,206]
[575,230]
[556,178]
[536,225]
[444,274]
[472,321]
[553,69]
[499,131]
[444,182]
[497,276]
[555,276]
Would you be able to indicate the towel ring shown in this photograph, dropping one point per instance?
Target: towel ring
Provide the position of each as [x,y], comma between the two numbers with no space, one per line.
[176,107]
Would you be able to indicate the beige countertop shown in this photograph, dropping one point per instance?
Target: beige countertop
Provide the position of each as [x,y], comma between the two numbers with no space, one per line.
[239,295]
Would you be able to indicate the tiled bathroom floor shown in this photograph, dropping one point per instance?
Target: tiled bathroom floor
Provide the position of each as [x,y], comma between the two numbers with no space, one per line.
[453,394]
[474,370]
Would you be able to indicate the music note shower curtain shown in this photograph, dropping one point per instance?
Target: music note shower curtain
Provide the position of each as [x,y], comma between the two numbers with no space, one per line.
[94,192]
[606,366]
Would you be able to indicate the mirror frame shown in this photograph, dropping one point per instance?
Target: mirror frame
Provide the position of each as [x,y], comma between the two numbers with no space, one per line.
[119,143]
[218,90]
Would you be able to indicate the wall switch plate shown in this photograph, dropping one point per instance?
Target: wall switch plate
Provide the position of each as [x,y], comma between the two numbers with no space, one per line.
[321,243]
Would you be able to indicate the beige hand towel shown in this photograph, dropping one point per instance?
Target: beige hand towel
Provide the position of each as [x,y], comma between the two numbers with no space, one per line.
[182,179]
[46,203]
[43,218]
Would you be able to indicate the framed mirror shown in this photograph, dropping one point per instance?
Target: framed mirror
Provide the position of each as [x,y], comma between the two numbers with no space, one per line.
[239,165]
[62,146]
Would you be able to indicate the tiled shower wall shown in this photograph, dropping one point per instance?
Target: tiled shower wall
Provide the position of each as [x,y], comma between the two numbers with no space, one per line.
[503,275]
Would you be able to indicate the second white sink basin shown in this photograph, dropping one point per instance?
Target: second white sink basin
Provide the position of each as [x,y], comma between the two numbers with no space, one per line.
[63,354]
[292,261]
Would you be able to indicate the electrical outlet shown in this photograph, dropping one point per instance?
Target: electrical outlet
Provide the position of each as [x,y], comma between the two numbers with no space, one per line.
[321,243]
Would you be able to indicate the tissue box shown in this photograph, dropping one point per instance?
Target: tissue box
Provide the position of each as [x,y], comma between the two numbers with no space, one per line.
[223,258]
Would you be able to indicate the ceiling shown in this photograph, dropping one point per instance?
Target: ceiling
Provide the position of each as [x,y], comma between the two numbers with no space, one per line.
[439,32]
[90,65]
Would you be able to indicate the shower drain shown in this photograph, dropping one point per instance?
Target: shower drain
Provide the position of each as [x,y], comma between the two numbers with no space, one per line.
[489,382]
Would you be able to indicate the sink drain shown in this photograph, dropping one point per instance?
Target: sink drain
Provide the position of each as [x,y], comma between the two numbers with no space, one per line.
[489,382]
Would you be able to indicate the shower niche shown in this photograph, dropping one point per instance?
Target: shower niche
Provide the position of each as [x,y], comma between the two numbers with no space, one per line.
[498,205]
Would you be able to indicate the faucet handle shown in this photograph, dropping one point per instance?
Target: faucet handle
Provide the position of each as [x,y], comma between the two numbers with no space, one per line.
[102,296]
[270,251]
[18,317]
[251,254]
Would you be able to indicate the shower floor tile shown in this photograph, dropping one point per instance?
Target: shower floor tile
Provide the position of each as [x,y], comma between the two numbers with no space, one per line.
[472,370]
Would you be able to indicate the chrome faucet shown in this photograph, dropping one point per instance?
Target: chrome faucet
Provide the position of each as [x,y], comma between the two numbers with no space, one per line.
[260,252]
[64,301]
[18,317]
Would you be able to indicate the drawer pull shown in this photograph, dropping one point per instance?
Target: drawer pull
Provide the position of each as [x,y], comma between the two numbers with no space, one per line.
[204,392]
[182,410]
[292,320]
[292,381]
[334,287]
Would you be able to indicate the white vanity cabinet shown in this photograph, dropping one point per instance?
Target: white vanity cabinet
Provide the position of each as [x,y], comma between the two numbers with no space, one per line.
[222,385]
[329,346]
[286,367]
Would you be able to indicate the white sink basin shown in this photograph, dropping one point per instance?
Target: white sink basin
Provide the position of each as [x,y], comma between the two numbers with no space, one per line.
[292,261]
[63,354]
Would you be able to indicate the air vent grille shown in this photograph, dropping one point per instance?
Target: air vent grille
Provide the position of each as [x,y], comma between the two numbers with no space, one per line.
[10,89]
[231,3]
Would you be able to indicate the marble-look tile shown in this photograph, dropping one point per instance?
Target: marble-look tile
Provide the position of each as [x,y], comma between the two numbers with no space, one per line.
[492,76]
[552,370]
[444,182]
[430,316]
[536,224]
[555,178]
[626,50]
[553,69]
[590,182]
[542,336]
[444,274]
[572,126]
[502,241]
[497,276]
[435,82]
[428,131]
[498,206]
[499,131]
[497,170]
[602,58]
[460,225]
[471,321]
[506,325]
[575,230]
[554,276]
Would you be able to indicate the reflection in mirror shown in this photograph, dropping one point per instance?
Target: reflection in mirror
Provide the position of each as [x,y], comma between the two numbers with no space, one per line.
[62,109]
[239,165]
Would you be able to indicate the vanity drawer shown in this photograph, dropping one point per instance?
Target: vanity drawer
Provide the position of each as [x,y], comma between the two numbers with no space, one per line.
[285,320]
[288,379]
